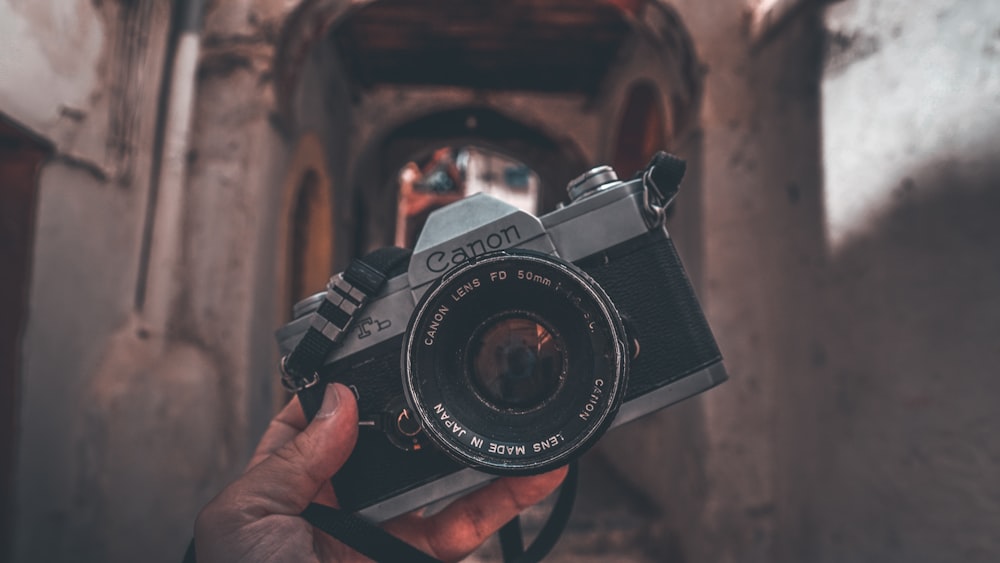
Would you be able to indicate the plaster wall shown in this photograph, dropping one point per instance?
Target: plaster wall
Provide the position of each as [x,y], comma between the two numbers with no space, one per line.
[126,428]
[62,75]
[83,94]
[711,464]
[850,274]
[911,145]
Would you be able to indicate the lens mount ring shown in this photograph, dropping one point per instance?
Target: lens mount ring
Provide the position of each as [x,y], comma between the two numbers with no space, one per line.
[515,362]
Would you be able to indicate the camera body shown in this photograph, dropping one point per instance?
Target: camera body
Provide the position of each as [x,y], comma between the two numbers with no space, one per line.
[512,342]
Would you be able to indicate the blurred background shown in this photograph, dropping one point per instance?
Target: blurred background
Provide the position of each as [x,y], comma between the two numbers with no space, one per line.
[175,175]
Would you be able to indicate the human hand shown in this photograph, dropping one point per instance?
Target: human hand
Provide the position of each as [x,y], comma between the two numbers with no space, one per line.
[256,518]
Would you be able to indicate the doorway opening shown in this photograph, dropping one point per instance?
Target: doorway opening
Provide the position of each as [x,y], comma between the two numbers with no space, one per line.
[452,173]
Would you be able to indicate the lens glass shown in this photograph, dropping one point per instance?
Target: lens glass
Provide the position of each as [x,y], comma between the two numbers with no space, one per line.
[516,362]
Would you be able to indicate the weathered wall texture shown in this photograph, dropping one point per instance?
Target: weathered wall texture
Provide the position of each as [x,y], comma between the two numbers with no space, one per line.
[911,155]
[126,426]
[85,93]
[719,485]
[62,75]
[850,274]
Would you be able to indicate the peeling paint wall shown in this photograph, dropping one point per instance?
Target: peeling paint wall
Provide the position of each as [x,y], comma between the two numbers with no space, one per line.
[63,75]
[82,92]
[126,429]
[911,145]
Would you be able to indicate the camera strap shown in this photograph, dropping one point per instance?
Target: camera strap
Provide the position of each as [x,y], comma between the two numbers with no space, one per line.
[346,294]
[660,181]
[377,544]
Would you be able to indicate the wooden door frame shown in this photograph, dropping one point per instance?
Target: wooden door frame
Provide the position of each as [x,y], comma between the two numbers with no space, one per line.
[21,157]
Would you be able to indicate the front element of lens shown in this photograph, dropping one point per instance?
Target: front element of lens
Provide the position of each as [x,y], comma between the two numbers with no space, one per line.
[515,362]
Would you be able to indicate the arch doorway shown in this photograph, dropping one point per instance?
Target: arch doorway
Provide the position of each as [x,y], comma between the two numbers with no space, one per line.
[480,149]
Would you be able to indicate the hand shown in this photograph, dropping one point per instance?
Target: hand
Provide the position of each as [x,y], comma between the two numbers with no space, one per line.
[256,518]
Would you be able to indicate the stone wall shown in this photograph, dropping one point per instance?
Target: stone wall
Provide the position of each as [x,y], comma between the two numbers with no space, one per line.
[911,139]
[850,274]
[130,422]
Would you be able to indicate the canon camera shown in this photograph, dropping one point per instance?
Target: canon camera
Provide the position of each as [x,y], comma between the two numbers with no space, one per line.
[510,343]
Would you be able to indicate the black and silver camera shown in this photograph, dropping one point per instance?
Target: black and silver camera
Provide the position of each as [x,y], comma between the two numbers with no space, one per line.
[511,342]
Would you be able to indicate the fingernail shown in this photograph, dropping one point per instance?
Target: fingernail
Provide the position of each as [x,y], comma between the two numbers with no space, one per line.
[331,401]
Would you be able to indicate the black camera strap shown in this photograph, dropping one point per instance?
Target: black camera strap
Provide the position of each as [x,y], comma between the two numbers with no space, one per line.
[374,542]
[346,295]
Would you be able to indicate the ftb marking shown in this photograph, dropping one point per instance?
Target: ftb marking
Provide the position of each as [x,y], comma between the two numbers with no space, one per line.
[368,326]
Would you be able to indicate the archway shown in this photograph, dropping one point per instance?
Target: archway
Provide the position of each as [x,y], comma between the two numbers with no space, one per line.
[387,82]
[376,184]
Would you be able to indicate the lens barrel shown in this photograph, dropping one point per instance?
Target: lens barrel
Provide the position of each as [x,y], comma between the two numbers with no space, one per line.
[515,362]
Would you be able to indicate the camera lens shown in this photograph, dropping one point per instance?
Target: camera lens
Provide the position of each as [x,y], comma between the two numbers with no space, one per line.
[514,362]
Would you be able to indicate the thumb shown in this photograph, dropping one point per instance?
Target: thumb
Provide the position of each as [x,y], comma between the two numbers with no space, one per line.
[288,480]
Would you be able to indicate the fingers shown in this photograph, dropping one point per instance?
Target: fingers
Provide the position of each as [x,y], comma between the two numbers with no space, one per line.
[457,530]
[289,479]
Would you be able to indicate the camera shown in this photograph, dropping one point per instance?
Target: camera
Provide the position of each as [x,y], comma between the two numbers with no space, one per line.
[510,343]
